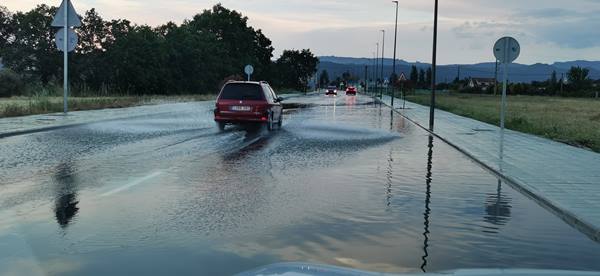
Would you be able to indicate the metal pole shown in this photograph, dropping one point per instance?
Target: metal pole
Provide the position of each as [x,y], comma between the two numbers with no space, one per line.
[395,44]
[377,69]
[496,80]
[66,58]
[433,69]
[403,96]
[562,81]
[366,78]
[382,61]
[503,105]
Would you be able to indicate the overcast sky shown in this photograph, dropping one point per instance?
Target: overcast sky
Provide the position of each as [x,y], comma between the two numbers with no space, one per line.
[549,30]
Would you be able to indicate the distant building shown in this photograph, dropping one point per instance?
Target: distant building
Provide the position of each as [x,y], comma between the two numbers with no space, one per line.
[483,83]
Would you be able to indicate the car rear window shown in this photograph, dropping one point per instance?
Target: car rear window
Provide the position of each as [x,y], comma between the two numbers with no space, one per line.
[242,91]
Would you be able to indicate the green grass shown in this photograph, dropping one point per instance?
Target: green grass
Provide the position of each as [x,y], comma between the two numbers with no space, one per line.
[21,106]
[575,121]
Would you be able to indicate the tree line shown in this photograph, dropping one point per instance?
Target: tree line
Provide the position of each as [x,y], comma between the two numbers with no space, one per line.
[575,83]
[119,57]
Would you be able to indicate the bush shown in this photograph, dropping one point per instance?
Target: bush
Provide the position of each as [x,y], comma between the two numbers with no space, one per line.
[11,84]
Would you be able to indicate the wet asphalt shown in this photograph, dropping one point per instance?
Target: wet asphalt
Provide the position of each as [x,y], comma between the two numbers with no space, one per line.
[346,181]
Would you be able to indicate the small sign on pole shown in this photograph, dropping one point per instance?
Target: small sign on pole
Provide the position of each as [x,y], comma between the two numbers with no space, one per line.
[402,77]
[72,39]
[66,40]
[249,70]
[506,50]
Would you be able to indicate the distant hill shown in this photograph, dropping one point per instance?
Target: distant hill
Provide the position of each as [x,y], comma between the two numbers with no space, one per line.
[336,66]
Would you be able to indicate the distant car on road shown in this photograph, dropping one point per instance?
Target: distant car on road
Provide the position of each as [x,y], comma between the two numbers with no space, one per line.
[351,90]
[331,90]
[242,102]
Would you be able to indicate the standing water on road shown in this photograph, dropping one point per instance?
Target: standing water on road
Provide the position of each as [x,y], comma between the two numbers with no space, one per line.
[345,182]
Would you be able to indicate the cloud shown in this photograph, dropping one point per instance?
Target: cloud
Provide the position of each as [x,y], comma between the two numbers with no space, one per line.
[547,29]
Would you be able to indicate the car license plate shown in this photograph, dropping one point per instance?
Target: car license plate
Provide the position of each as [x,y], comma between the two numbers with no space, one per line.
[240,108]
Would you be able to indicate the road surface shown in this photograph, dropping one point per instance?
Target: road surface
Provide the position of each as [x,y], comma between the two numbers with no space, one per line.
[345,182]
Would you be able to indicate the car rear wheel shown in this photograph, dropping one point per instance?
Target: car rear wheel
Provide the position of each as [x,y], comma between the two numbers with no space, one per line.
[270,123]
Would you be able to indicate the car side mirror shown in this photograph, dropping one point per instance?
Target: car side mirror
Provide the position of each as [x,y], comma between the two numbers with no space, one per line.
[279,99]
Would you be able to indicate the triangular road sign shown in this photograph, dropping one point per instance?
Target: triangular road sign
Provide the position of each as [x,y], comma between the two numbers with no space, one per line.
[402,77]
[73,18]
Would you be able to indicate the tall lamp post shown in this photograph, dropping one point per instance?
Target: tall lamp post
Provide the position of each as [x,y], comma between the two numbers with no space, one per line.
[377,68]
[394,62]
[382,61]
[433,69]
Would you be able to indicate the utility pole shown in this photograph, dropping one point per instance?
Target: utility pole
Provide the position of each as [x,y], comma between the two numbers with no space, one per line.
[366,78]
[394,62]
[382,61]
[562,81]
[377,69]
[433,68]
[66,59]
[496,79]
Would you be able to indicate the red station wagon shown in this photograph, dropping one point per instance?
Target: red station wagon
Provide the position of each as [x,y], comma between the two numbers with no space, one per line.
[351,91]
[243,102]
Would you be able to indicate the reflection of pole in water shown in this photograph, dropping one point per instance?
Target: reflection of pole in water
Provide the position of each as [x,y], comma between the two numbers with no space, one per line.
[427,202]
[380,115]
[389,177]
[65,206]
[497,208]
[392,119]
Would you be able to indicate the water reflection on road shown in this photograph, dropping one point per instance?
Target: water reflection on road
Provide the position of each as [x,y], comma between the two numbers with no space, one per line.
[345,182]
[65,207]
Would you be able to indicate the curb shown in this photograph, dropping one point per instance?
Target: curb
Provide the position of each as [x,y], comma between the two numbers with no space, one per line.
[584,227]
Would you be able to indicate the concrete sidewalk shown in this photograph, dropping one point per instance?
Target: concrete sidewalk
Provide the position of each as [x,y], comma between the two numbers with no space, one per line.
[563,178]
[37,123]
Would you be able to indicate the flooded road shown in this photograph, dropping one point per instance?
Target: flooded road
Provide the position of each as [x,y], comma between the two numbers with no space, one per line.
[344,182]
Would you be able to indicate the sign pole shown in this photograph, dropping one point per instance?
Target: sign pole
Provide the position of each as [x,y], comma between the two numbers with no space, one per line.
[503,105]
[506,50]
[66,60]
[403,96]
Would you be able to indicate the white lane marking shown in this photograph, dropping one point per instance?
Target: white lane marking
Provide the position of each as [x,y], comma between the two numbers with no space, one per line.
[134,183]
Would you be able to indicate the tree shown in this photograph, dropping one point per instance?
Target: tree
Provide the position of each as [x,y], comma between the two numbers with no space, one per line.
[421,81]
[31,50]
[414,75]
[324,78]
[295,68]
[5,28]
[138,62]
[553,79]
[346,76]
[240,43]
[428,76]
[579,77]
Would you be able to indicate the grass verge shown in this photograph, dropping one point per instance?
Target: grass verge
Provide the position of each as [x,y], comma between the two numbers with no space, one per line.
[21,106]
[573,121]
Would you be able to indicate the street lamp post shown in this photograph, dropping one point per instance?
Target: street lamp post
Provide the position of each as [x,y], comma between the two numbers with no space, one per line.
[382,61]
[377,68]
[394,62]
[433,67]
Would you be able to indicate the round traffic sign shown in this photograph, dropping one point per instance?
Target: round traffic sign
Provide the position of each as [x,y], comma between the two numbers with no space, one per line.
[72,39]
[507,50]
[249,69]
